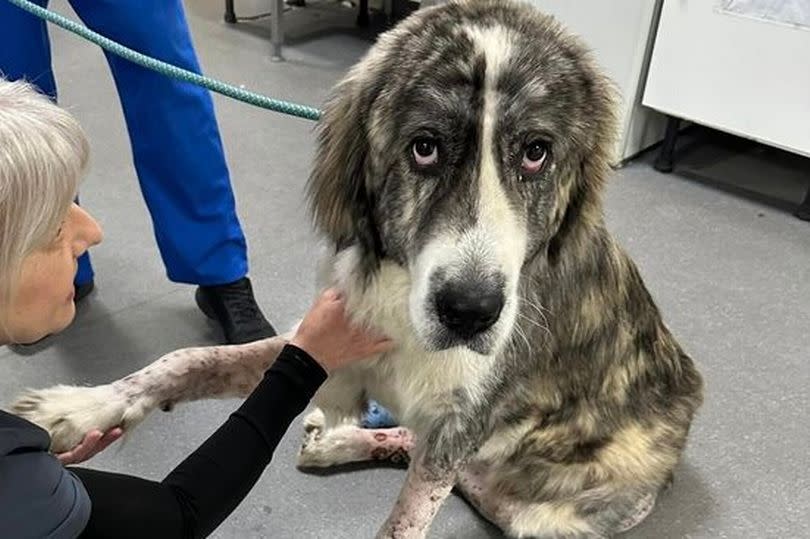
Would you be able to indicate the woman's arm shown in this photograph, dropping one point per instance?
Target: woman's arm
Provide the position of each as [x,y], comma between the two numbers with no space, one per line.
[206,487]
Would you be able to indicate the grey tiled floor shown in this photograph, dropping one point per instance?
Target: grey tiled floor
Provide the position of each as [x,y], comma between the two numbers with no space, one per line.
[731,274]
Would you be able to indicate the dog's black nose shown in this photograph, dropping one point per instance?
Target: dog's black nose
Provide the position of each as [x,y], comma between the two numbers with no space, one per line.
[469,309]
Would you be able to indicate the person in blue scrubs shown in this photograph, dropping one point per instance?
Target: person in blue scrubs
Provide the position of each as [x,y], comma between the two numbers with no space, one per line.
[176,147]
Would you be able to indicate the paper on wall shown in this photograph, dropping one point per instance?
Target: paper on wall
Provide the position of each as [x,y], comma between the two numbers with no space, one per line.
[790,12]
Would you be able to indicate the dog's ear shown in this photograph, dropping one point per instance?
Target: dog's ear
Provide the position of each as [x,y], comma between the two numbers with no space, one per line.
[602,153]
[580,200]
[338,193]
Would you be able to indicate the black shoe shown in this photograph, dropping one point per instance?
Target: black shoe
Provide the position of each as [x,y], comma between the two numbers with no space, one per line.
[83,290]
[234,308]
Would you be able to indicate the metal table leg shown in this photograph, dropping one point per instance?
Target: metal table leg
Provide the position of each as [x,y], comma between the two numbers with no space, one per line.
[388,8]
[277,28]
[664,162]
[363,18]
[230,15]
[803,211]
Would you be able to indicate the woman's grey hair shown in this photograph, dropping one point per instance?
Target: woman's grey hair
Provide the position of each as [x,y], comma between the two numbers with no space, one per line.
[43,155]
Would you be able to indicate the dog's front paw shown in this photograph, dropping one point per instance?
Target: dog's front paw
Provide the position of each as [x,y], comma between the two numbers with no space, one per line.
[69,412]
[324,447]
[314,423]
[309,456]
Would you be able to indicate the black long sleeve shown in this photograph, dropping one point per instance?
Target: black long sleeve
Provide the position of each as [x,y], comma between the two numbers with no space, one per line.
[208,485]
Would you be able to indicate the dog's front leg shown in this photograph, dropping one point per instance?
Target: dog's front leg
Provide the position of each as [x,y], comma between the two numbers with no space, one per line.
[425,489]
[451,440]
[203,373]
[69,412]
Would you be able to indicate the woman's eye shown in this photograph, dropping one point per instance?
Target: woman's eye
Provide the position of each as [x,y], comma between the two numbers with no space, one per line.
[535,155]
[425,151]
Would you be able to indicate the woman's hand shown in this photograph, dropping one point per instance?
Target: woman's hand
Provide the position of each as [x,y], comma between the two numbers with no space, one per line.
[94,442]
[327,334]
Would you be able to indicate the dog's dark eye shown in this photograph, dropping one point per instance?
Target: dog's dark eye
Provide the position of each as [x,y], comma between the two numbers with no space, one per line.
[535,155]
[425,151]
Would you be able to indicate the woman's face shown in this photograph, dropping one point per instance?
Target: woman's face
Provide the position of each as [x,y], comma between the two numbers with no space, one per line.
[42,301]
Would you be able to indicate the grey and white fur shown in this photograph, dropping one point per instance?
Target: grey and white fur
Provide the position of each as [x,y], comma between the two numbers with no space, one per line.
[458,181]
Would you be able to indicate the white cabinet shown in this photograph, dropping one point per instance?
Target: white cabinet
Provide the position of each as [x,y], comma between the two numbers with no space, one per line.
[746,73]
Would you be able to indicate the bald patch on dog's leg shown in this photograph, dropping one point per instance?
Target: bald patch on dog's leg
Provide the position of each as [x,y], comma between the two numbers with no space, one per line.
[476,489]
[421,497]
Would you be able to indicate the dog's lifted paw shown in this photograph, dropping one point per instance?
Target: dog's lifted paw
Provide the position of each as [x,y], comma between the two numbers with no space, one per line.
[314,423]
[326,447]
[69,412]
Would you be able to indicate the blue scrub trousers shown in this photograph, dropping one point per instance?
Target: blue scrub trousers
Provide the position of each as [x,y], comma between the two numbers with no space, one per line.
[175,140]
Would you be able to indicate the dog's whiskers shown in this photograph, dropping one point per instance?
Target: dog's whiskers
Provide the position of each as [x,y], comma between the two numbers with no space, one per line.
[536,306]
[535,323]
[539,309]
[519,331]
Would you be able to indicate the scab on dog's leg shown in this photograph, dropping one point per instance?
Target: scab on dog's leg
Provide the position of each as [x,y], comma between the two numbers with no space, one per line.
[393,445]
[422,495]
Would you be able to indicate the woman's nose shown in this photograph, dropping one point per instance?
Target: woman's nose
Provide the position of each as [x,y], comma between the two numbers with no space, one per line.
[88,231]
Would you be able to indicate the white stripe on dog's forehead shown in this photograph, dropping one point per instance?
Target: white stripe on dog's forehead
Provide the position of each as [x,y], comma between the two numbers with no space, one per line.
[496,217]
[495,44]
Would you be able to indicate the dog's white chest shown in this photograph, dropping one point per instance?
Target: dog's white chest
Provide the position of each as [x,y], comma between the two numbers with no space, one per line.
[412,382]
[416,385]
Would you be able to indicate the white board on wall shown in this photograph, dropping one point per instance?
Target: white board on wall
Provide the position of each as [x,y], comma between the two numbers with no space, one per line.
[742,75]
[789,12]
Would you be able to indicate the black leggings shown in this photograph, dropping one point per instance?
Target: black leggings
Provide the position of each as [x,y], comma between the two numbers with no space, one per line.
[208,485]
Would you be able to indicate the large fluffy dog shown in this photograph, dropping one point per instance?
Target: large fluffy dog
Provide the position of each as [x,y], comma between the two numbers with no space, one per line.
[458,179]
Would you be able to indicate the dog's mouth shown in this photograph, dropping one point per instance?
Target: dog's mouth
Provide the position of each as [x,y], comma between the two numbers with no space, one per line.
[480,344]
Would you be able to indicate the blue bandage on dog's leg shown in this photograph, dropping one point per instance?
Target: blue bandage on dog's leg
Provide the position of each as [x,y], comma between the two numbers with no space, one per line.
[377,417]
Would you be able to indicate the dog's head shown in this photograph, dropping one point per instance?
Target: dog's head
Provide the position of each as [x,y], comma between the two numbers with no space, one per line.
[461,148]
